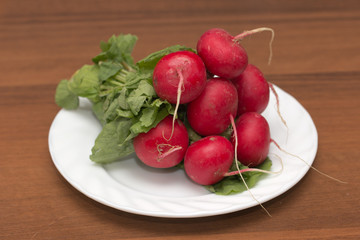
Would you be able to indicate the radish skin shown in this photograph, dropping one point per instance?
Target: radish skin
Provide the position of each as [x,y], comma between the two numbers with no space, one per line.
[209,114]
[253,90]
[221,53]
[253,136]
[179,78]
[157,150]
[208,159]
[173,67]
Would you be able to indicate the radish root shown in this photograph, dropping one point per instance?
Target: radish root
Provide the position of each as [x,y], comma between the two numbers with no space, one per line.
[228,174]
[178,97]
[324,174]
[278,109]
[160,149]
[257,30]
[238,168]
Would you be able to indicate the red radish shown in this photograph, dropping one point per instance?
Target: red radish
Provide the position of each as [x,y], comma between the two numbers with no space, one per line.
[253,90]
[208,159]
[182,70]
[222,53]
[209,114]
[253,135]
[155,149]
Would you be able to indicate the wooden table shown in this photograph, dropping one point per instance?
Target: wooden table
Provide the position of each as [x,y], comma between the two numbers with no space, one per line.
[316,59]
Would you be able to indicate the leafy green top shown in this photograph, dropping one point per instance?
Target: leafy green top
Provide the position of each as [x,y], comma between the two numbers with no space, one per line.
[123,97]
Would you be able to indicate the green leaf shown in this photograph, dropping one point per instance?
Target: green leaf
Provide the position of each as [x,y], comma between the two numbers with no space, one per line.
[234,184]
[135,103]
[148,116]
[85,82]
[116,106]
[145,89]
[148,63]
[108,100]
[157,102]
[162,113]
[139,126]
[122,47]
[151,115]
[64,97]
[227,133]
[122,99]
[104,46]
[110,144]
[124,113]
[98,110]
[193,136]
[100,57]
[118,49]
[138,97]
[132,79]
[108,69]
[111,112]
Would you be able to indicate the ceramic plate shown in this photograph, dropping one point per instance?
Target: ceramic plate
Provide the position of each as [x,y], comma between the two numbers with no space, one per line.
[130,186]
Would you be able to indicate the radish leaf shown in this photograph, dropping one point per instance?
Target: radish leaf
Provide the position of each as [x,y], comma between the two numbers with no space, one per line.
[234,184]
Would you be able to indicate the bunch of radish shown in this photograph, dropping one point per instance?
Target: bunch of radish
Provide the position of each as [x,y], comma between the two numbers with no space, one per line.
[218,88]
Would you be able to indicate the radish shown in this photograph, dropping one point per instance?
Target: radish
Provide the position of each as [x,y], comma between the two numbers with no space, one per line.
[209,114]
[253,90]
[181,75]
[253,136]
[155,149]
[222,53]
[252,133]
[208,159]
[236,145]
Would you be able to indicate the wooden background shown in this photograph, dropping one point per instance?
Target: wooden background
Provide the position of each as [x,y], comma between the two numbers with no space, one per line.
[316,59]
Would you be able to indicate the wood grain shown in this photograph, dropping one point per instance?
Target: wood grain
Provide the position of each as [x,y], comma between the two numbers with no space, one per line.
[316,59]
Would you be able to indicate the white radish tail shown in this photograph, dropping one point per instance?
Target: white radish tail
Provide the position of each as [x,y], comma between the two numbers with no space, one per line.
[244,34]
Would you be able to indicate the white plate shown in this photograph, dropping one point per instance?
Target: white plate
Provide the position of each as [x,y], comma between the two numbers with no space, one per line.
[130,186]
